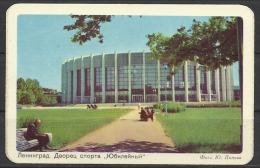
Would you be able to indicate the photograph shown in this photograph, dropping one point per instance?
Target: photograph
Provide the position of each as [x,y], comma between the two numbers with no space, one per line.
[144,85]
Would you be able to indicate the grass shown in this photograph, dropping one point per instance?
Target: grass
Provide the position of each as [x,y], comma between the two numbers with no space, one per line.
[204,130]
[68,125]
[99,105]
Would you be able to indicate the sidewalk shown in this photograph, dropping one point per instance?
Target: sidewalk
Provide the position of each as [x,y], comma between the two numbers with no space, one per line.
[126,134]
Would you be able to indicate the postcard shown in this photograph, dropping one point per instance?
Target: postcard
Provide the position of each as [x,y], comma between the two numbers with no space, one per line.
[129,84]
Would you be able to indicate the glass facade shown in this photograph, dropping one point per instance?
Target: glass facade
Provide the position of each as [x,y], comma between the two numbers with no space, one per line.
[220,85]
[79,82]
[203,80]
[213,88]
[151,79]
[110,84]
[122,78]
[98,85]
[103,86]
[71,84]
[163,78]
[179,79]
[136,79]
[191,77]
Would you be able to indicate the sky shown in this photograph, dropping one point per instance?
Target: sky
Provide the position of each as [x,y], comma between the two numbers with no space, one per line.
[42,44]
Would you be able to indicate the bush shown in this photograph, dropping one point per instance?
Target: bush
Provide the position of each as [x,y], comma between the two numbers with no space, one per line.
[174,107]
[215,104]
[24,122]
[234,103]
[158,105]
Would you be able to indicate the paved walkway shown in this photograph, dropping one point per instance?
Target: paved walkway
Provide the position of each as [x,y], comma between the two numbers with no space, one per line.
[126,134]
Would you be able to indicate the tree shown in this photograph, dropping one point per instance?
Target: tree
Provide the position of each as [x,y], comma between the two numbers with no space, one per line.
[88,27]
[212,43]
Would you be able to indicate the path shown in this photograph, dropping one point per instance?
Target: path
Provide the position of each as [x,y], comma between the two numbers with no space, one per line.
[126,134]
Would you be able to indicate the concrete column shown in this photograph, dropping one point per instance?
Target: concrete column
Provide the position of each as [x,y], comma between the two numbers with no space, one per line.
[82,79]
[173,88]
[92,96]
[144,76]
[129,74]
[198,82]
[186,82]
[224,94]
[62,82]
[103,79]
[74,81]
[69,82]
[217,84]
[209,85]
[228,84]
[232,82]
[159,81]
[65,82]
[116,80]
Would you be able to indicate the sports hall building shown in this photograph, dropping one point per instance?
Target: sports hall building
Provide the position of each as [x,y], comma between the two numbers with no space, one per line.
[131,77]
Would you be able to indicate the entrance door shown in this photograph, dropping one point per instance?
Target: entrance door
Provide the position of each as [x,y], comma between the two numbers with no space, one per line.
[137,98]
[151,98]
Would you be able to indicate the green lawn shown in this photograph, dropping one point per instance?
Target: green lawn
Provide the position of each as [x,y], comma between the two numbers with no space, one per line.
[99,105]
[204,130]
[68,125]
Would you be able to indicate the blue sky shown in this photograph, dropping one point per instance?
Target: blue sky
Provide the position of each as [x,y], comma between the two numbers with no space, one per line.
[43,44]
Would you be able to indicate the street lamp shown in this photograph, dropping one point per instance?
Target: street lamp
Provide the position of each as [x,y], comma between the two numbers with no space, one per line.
[165,66]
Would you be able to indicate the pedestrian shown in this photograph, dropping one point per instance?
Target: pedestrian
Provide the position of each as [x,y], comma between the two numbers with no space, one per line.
[138,105]
[33,133]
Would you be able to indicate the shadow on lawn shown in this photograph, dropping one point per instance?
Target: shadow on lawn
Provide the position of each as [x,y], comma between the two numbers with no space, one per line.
[125,146]
[210,148]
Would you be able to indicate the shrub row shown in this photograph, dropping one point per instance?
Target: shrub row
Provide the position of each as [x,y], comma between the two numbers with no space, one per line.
[217,104]
[24,122]
[172,107]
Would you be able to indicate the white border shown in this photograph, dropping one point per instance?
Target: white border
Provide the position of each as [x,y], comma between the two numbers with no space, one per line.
[159,10]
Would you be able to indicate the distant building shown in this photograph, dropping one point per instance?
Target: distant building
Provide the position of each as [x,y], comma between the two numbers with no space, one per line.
[130,77]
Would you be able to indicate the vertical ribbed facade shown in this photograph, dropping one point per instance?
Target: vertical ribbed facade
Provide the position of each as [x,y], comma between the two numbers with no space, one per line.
[131,77]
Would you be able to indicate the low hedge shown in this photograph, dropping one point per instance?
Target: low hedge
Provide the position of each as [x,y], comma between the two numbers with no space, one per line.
[217,104]
[174,107]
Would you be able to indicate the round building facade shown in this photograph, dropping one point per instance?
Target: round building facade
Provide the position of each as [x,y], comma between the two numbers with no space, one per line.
[131,78]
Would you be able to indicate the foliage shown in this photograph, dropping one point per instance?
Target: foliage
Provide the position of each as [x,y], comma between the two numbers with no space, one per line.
[68,125]
[207,130]
[212,43]
[158,105]
[88,27]
[174,107]
[29,91]
[25,121]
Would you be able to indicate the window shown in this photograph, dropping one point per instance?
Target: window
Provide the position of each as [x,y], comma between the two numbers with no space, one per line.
[213,88]
[79,82]
[179,78]
[98,79]
[191,77]
[203,80]
[163,78]
[136,79]
[122,78]
[151,77]
[110,78]
[71,84]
